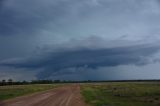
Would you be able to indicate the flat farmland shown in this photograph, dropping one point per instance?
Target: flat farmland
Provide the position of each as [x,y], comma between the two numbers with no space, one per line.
[122,94]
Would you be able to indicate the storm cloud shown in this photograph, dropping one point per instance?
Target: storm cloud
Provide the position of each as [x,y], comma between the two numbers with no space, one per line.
[70,37]
[60,62]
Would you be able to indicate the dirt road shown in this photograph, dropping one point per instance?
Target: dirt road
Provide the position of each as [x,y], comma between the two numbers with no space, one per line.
[62,96]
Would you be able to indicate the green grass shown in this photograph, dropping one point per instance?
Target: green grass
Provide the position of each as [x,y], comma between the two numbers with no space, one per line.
[8,92]
[122,94]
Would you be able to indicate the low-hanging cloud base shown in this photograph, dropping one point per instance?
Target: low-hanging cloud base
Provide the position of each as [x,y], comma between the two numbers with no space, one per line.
[79,39]
[78,59]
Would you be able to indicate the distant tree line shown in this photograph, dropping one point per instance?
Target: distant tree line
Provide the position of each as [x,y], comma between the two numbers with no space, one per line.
[11,82]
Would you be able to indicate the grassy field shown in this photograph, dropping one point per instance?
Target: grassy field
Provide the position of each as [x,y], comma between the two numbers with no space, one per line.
[7,92]
[122,94]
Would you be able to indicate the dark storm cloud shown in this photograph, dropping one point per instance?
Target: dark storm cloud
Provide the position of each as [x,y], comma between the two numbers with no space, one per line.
[21,17]
[55,29]
[55,63]
[81,17]
[1,2]
[27,17]
[17,17]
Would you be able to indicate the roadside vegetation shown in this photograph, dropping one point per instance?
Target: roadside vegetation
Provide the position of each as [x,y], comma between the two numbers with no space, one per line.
[122,94]
[12,91]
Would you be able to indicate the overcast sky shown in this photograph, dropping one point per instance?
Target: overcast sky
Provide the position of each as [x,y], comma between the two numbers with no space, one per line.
[79,39]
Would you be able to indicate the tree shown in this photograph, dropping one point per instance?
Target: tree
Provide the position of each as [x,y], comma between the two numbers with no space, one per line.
[3,82]
[10,81]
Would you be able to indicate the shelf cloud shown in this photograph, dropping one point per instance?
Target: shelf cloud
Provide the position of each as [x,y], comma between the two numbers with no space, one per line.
[79,39]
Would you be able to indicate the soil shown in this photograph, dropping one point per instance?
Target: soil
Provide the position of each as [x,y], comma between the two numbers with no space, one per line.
[62,96]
